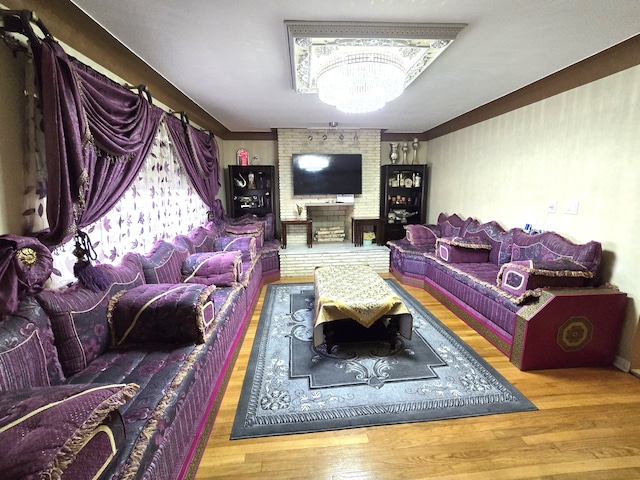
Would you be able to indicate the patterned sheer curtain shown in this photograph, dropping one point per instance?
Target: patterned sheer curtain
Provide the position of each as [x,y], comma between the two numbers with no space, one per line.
[160,204]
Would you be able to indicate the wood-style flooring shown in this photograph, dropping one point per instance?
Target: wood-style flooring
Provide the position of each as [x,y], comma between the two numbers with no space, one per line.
[587,427]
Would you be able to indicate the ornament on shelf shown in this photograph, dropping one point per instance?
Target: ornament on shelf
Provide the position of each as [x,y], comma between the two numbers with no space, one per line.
[393,153]
[415,146]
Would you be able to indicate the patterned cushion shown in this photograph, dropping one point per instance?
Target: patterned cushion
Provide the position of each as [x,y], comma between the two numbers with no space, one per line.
[166,313]
[198,240]
[246,245]
[222,269]
[422,234]
[28,332]
[450,226]
[163,263]
[79,316]
[520,276]
[254,229]
[43,430]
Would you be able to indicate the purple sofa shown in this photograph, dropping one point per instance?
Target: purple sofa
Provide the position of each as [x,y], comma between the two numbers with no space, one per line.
[119,383]
[537,298]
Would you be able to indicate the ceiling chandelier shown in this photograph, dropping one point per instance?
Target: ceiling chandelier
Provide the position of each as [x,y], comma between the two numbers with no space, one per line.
[361,82]
[359,67]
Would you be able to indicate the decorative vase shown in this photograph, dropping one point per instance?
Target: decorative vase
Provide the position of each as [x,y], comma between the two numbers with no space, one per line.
[415,146]
[405,149]
[393,154]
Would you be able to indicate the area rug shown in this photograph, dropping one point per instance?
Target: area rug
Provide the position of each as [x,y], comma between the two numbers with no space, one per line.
[291,388]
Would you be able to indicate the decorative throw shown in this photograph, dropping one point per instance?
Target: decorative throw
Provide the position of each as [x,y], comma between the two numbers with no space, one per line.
[355,292]
[44,430]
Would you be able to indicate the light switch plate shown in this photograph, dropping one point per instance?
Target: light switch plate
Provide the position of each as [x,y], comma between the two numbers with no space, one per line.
[571,207]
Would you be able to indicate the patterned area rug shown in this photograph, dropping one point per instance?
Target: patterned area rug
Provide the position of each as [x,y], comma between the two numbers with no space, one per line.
[366,379]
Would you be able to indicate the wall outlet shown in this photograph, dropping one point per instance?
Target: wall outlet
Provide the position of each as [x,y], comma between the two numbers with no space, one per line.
[551,206]
[571,207]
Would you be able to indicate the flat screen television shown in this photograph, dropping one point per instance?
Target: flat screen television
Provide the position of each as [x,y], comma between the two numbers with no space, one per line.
[327,173]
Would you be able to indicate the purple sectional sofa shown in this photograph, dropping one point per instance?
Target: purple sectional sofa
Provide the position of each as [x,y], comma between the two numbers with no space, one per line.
[119,383]
[537,298]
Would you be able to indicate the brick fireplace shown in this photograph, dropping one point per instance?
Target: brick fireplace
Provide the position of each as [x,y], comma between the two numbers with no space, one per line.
[297,260]
[322,209]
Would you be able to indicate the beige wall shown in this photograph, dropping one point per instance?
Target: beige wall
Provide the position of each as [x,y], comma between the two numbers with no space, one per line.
[11,140]
[584,145]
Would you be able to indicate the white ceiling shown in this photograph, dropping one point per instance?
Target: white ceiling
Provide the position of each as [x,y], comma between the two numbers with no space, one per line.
[231,56]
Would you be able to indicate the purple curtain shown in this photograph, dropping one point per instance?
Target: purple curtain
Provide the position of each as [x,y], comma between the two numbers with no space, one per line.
[199,153]
[97,134]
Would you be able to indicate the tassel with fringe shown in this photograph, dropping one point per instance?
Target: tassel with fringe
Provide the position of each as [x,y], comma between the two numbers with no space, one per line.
[90,277]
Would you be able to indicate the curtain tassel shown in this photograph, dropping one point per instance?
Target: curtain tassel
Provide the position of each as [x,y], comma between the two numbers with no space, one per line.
[90,277]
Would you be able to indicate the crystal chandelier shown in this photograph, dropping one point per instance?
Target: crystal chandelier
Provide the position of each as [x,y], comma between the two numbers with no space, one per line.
[361,82]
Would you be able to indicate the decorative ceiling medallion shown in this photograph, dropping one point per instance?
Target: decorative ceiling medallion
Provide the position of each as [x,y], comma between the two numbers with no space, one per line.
[316,47]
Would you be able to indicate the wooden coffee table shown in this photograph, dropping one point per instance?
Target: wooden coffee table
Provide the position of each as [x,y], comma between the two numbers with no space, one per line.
[355,293]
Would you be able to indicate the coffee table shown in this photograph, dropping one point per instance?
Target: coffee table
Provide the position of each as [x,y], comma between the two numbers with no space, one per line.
[356,293]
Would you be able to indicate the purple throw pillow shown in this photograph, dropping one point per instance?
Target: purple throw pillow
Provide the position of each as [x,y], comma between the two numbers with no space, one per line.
[246,245]
[222,269]
[255,229]
[164,313]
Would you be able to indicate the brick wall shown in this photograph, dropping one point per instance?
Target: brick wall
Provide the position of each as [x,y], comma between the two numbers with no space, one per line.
[367,204]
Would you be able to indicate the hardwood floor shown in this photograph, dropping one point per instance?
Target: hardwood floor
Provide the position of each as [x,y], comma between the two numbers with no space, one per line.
[587,427]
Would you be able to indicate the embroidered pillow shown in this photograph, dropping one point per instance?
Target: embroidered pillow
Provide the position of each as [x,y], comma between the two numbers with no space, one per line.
[165,313]
[79,315]
[163,263]
[246,245]
[422,234]
[255,229]
[518,277]
[222,269]
[44,430]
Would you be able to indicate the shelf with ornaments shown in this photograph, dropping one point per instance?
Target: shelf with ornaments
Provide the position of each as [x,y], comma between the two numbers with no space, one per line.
[403,191]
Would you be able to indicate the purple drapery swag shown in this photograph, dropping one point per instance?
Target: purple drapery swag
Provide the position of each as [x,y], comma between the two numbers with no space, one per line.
[199,153]
[97,135]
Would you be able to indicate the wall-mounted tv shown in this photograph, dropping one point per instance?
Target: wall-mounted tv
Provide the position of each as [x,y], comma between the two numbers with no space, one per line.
[327,173]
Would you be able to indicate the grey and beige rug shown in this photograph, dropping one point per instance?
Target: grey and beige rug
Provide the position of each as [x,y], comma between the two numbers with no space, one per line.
[291,388]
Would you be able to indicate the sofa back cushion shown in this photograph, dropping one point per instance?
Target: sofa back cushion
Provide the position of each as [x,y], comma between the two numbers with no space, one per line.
[28,355]
[163,263]
[79,315]
[549,246]
[198,240]
[422,234]
[496,236]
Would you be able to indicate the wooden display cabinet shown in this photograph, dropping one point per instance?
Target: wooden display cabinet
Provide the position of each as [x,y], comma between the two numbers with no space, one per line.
[250,189]
[403,198]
